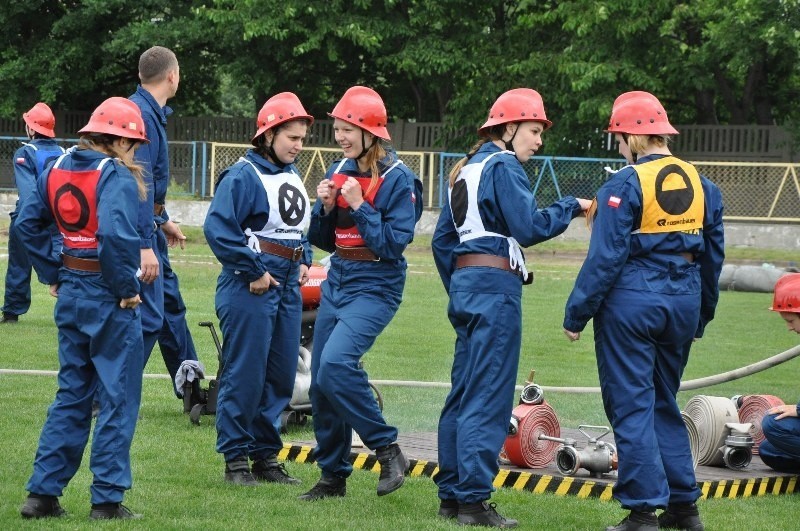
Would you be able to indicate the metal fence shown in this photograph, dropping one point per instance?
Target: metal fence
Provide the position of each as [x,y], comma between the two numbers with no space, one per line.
[752,191]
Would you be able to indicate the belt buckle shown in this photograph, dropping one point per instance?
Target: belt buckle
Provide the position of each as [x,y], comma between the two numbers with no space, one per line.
[297,253]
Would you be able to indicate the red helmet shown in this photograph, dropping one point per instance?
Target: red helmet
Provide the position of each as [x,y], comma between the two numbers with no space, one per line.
[639,113]
[787,294]
[364,108]
[516,105]
[278,109]
[119,117]
[40,118]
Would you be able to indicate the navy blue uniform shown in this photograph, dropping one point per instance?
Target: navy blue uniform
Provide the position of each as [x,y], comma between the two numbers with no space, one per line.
[485,311]
[650,294]
[99,343]
[359,298]
[261,332]
[29,162]
[163,309]
[781,449]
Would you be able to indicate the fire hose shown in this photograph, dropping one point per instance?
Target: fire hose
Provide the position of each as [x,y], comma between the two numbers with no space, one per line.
[752,409]
[523,448]
[712,415]
[694,437]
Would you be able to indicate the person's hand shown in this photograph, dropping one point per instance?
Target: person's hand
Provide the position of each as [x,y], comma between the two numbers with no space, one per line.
[131,302]
[150,267]
[262,285]
[573,336]
[326,192]
[788,410]
[585,203]
[53,289]
[352,193]
[303,277]
[174,234]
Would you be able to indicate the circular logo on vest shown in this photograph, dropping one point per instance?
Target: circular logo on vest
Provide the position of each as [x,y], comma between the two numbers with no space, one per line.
[291,205]
[73,195]
[671,196]
[459,202]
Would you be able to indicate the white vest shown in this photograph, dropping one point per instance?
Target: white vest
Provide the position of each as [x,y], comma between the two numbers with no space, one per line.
[289,208]
[473,226]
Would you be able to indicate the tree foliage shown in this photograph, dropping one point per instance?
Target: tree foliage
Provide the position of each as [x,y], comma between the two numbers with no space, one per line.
[710,61]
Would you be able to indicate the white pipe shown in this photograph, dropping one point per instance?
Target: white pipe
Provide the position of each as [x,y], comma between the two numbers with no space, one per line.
[687,385]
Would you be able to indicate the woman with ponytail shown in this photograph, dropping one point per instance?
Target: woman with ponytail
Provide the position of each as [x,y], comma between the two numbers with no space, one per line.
[92,194]
[365,213]
[489,215]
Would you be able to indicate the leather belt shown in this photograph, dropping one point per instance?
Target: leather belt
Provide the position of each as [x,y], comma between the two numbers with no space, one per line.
[81,264]
[360,254]
[689,257]
[158,208]
[484,260]
[290,253]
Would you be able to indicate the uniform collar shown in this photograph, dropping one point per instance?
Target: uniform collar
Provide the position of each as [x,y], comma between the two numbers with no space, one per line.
[254,157]
[161,112]
[351,165]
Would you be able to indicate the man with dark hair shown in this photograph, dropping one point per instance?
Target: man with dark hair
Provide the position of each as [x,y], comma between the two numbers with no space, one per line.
[163,310]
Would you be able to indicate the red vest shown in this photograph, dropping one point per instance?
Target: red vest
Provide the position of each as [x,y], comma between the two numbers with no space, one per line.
[346,231]
[72,196]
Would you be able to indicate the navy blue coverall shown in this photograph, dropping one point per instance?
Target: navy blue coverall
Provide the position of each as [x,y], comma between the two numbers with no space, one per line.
[359,298]
[163,309]
[29,162]
[485,311]
[99,343]
[650,295]
[261,332]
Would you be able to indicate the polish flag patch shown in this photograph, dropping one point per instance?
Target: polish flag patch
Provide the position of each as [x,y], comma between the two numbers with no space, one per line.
[20,160]
[614,201]
[413,197]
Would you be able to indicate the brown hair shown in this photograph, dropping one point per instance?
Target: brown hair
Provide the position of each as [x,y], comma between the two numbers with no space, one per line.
[261,147]
[155,63]
[104,143]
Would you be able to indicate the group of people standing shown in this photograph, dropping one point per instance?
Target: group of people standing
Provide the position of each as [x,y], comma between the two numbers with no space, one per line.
[649,282]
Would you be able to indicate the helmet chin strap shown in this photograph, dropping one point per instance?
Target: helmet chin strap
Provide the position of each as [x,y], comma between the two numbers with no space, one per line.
[364,148]
[510,142]
[273,157]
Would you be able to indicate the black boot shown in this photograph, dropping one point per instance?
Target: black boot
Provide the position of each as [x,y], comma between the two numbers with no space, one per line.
[9,318]
[271,471]
[237,472]
[111,511]
[39,506]
[681,516]
[326,487]
[448,508]
[394,466]
[637,521]
[483,514]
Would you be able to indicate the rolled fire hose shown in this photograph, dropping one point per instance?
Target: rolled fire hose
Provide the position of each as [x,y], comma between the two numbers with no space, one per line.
[523,448]
[710,414]
[694,437]
[753,409]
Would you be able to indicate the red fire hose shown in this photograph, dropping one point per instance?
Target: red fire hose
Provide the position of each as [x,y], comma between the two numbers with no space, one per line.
[753,409]
[523,448]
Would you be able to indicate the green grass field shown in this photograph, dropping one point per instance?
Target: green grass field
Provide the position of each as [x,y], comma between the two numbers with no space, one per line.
[178,476]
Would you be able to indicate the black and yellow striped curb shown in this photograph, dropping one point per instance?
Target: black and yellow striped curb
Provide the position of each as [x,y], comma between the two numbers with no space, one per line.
[565,486]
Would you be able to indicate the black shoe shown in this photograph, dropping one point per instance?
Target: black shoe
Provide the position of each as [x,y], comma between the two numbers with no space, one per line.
[9,318]
[448,508]
[483,514]
[394,466]
[681,516]
[38,506]
[326,487]
[637,521]
[271,471]
[238,473]
[112,511]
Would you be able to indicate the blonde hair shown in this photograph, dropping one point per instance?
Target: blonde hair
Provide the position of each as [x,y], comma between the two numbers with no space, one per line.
[491,134]
[105,144]
[374,155]
[640,143]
